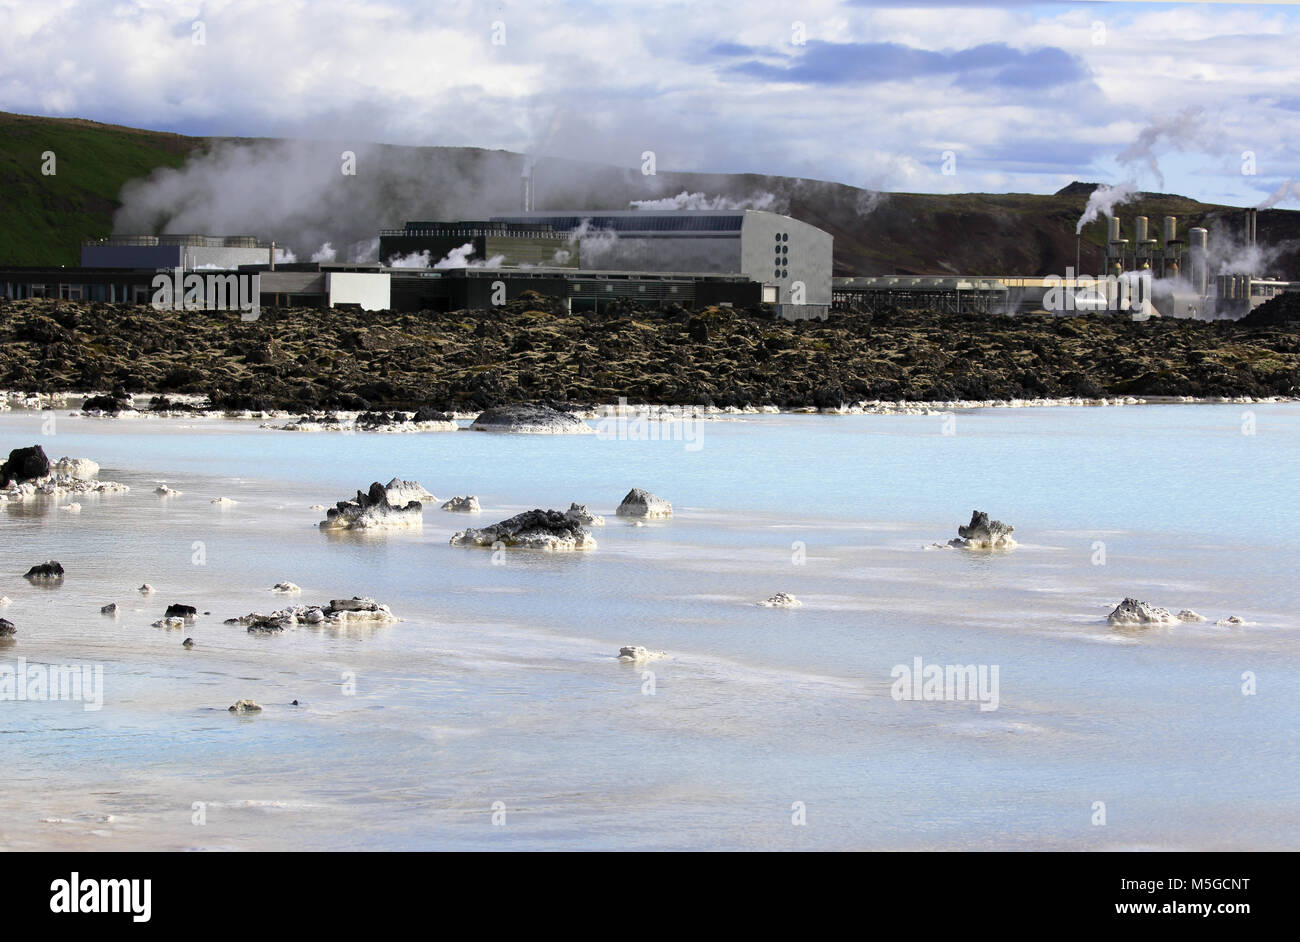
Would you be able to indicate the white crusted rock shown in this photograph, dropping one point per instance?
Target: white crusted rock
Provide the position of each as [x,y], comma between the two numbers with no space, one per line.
[641,503]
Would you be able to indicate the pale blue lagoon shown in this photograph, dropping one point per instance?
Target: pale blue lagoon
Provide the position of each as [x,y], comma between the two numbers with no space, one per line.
[500,688]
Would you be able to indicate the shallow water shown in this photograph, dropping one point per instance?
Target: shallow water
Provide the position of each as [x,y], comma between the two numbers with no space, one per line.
[500,684]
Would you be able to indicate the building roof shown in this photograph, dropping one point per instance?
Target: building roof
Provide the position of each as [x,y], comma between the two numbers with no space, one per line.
[636,220]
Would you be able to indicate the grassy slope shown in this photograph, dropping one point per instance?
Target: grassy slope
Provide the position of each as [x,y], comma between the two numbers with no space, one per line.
[43,219]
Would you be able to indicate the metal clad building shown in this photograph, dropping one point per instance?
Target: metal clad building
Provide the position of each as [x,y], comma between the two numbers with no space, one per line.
[509,245]
[790,259]
[174,251]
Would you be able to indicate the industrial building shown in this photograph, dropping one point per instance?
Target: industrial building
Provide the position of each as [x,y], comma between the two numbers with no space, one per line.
[506,244]
[689,258]
[788,259]
[176,251]
[1169,277]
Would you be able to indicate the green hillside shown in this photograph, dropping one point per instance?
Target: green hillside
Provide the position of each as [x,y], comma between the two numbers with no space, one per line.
[44,218]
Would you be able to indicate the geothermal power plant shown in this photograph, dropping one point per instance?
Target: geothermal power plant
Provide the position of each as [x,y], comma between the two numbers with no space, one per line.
[690,258]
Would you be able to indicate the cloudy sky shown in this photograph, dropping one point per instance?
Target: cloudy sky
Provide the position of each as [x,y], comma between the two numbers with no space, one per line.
[1020,96]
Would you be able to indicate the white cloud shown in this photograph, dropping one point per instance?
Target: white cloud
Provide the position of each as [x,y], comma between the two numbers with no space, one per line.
[629,77]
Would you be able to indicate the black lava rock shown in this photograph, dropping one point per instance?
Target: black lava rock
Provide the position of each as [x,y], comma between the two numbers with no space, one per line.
[24,464]
[52,569]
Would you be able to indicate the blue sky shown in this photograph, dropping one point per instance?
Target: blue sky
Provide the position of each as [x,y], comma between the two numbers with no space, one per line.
[1018,97]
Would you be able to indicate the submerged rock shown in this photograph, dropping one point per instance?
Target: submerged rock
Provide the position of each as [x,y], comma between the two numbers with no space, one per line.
[371,511]
[5,600]
[354,611]
[162,490]
[224,501]
[636,652]
[286,588]
[72,508]
[530,419]
[108,405]
[45,572]
[581,514]
[781,600]
[7,629]
[641,503]
[424,419]
[983,533]
[532,529]
[109,609]
[463,505]
[187,643]
[1232,621]
[1188,615]
[145,589]
[1132,612]
[171,622]
[245,706]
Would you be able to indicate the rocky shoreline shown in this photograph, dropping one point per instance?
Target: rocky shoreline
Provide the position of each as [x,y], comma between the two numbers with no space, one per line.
[435,365]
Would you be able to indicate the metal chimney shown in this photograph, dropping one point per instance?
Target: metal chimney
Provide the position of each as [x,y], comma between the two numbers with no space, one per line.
[1200,258]
[526,191]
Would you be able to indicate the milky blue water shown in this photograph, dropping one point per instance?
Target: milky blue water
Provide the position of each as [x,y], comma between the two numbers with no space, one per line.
[500,689]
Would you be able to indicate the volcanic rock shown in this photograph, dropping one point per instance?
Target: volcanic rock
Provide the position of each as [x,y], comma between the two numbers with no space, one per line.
[45,572]
[641,503]
[371,511]
[463,505]
[532,529]
[983,533]
[1131,612]
[530,419]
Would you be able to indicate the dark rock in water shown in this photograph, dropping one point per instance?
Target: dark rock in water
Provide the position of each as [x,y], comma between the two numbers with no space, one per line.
[245,706]
[108,404]
[984,533]
[529,418]
[430,414]
[187,643]
[7,629]
[372,510]
[532,529]
[381,419]
[109,609]
[181,611]
[24,464]
[52,569]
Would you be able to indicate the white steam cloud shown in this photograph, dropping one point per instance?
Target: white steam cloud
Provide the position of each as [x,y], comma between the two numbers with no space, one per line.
[1185,130]
[1289,190]
[1103,200]
[697,201]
